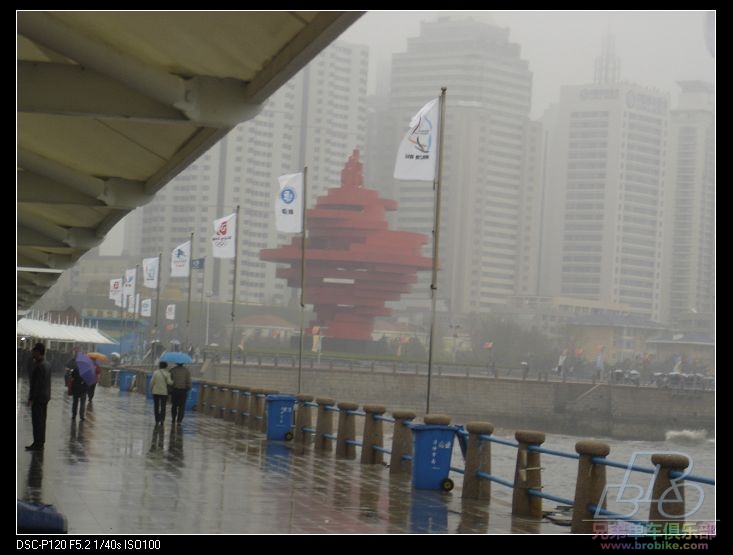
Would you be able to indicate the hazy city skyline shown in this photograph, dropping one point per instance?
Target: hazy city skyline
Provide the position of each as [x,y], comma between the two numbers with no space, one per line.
[656,48]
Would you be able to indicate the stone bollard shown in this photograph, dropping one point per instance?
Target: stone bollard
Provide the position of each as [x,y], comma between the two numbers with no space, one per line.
[303,418]
[263,422]
[373,435]
[222,401]
[346,430]
[243,405]
[527,475]
[669,491]
[232,406]
[589,485]
[401,442]
[478,458]
[201,401]
[256,407]
[438,419]
[105,376]
[324,424]
[212,398]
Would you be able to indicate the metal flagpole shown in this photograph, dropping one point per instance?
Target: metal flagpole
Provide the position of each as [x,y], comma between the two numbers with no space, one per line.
[302,278]
[188,306]
[436,232]
[157,309]
[234,290]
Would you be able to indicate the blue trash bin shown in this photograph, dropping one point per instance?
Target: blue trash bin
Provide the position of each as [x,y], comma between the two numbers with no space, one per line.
[280,416]
[431,456]
[193,396]
[124,379]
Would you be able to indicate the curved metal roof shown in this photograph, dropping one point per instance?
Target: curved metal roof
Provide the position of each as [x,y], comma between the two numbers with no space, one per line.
[113,105]
[40,329]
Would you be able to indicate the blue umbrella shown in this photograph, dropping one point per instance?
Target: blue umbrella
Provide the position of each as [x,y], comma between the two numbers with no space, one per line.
[87,368]
[176,357]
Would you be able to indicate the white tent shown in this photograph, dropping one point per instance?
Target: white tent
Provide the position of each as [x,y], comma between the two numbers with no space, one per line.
[40,329]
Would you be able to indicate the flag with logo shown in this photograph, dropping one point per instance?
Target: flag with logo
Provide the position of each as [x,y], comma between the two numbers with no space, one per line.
[197,263]
[150,272]
[223,238]
[170,312]
[180,258]
[115,290]
[418,151]
[146,307]
[289,204]
[129,285]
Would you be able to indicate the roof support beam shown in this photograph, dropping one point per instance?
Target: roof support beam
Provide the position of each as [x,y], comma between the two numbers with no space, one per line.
[208,101]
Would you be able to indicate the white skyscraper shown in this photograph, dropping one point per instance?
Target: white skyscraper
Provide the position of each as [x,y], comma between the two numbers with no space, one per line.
[605,193]
[692,210]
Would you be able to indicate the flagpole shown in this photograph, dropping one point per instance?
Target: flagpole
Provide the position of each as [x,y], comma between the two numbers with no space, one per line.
[302,277]
[157,308]
[234,291]
[436,233]
[122,313]
[188,306]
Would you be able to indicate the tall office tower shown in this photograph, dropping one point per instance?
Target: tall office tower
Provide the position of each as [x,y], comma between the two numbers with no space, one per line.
[692,182]
[605,193]
[484,177]
[316,120]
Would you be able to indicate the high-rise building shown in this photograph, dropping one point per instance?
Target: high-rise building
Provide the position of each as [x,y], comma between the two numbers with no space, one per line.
[691,237]
[605,192]
[316,120]
[486,181]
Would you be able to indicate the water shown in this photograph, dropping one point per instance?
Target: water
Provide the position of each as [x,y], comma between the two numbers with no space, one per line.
[559,474]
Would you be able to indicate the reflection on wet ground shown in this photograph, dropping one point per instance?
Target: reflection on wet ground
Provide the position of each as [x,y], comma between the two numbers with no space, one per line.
[116,472]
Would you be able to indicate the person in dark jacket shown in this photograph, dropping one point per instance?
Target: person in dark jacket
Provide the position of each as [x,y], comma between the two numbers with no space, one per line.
[79,391]
[181,377]
[39,395]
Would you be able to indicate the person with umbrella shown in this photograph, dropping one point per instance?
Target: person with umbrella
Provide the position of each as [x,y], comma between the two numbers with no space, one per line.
[181,377]
[96,359]
[159,385]
[78,388]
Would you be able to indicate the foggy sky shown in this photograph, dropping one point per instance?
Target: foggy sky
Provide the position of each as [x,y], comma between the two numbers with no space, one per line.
[656,48]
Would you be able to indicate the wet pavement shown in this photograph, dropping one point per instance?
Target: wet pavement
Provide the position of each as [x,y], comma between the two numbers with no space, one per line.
[116,473]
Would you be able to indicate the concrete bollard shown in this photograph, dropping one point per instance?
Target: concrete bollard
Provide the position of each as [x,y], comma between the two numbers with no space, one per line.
[221,402]
[401,442]
[668,490]
[203,394]
[213,396]
[373,435]
[243,405]
[232,408]
[346,431]
[589,485]
[303,418]
[527,475]
[324,424]
[105,376]
[478,458]
[256,407]
[438,419]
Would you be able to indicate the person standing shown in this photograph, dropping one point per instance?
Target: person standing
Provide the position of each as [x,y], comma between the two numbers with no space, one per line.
[78,391]
[39,395]
[181,384]
[159,384]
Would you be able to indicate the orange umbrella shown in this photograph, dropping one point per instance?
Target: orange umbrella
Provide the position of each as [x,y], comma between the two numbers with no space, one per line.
[100,357]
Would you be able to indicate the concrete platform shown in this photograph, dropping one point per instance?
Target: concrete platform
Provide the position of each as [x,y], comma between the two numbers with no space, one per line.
[116,473]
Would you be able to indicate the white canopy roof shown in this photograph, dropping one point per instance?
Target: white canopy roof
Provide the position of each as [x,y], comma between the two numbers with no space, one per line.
[40,329]
[111,105]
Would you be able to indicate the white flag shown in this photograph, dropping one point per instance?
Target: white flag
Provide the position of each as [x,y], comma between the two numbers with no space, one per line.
[170,312]
[150,272]
[146,307]
[418,151]
[115,289]
[223,238]
[181,260]
[129,286]
[289,204]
